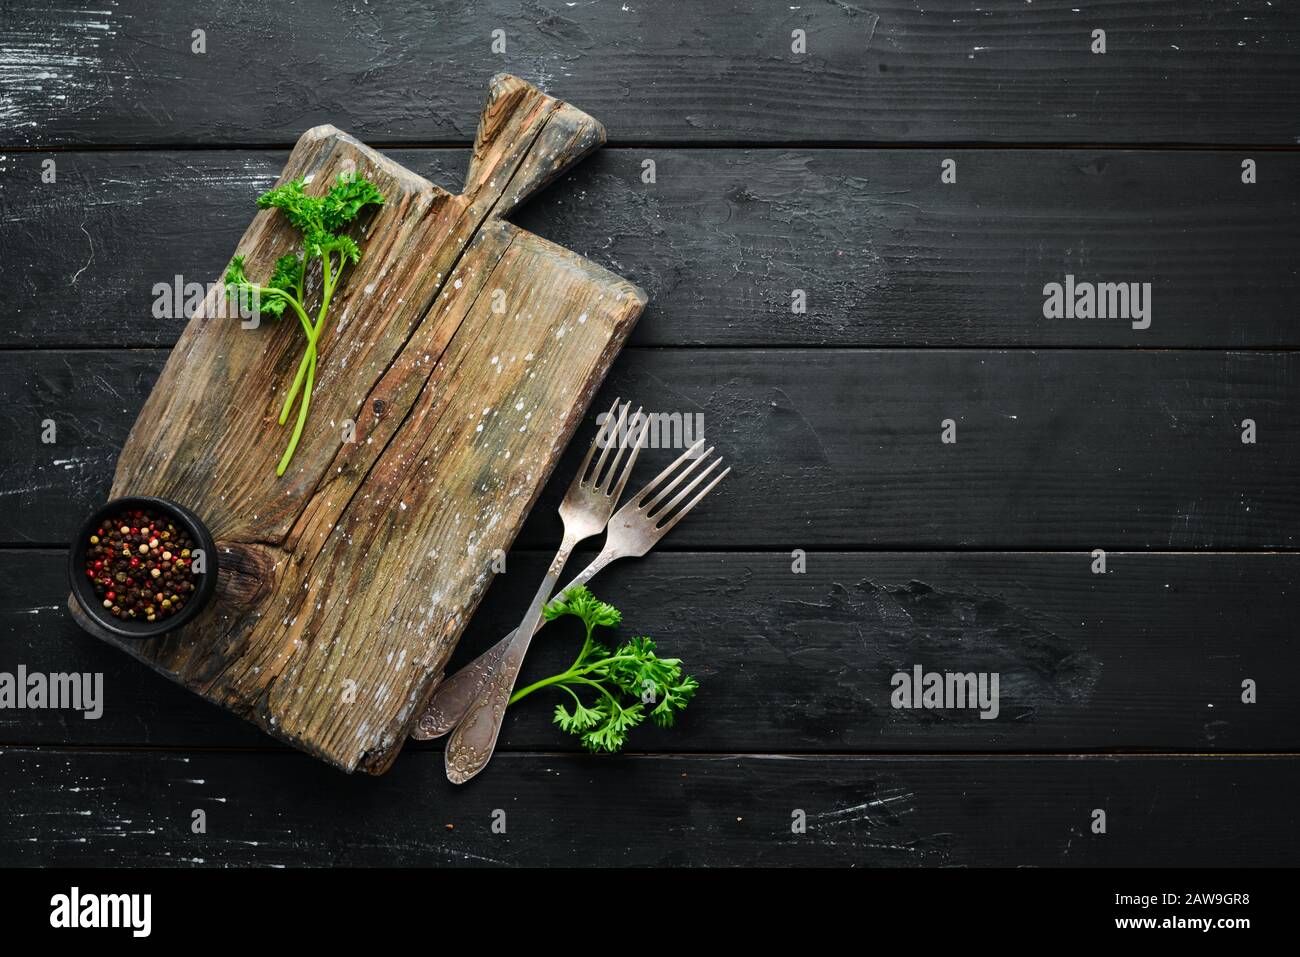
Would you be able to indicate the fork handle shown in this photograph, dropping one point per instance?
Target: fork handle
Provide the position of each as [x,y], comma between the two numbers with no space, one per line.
[452,698]
[471,745]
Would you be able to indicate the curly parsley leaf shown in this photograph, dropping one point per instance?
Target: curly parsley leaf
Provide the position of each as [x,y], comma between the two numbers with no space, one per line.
[626,680]
[235,272]
[287,274]
[581,602]
[248,294]
[323,215]
[636,669]
[320,219]
[346,198]
[581,719]
[674,698]
[611,733]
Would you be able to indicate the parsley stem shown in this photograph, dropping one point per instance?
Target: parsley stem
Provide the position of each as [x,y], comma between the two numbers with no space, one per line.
[307,357]
[297,383]
[302,412]
[322,221]
[603,690]
[311,342]
[633,684]
[574,673]
[313,335]
[559,679]
[328,289]
[297,306]
[586,646]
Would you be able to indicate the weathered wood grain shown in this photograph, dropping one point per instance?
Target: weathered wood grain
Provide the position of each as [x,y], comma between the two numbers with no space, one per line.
[886,253]
[884,70]
[124,808]
[833,448]
[462,352]
[1150,656]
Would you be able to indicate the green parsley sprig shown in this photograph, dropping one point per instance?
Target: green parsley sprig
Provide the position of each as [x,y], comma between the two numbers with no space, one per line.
[321,220]
[626,681]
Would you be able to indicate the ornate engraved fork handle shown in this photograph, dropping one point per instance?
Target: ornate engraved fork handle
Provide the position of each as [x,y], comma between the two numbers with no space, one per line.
[452,699]
[475,738]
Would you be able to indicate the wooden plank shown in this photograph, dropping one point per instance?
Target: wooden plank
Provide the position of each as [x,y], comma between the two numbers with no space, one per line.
[1057,449]
[132,808]
[885,252]
[887,70]
[1150,656]
[463,351]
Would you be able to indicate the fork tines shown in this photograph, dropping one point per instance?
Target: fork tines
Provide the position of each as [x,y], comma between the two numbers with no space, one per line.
[620,433]
[651,498]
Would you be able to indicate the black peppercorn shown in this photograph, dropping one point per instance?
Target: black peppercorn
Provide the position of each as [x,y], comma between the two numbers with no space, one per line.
[140,542]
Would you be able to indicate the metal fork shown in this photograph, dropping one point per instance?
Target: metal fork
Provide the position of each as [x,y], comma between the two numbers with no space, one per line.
[585,511]
[632,532]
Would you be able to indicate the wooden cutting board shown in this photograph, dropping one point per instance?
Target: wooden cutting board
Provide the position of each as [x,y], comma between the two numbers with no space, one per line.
[464,351]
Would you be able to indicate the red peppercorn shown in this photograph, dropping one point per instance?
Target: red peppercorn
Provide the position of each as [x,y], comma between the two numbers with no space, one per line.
[108,562]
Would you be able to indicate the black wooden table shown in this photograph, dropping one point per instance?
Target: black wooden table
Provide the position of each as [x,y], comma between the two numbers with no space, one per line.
[778,168]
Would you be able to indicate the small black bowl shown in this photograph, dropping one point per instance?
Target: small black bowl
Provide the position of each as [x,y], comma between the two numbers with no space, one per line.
[85,592]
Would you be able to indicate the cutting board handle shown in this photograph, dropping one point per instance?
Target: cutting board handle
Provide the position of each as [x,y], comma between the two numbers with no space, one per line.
[525,139]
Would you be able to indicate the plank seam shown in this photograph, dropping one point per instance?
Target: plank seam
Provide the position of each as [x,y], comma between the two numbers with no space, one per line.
[777,347]
[26,548]
[884,756]
[902,146]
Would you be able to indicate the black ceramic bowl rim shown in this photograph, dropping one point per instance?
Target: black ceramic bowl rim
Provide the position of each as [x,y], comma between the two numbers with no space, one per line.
[85,591]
